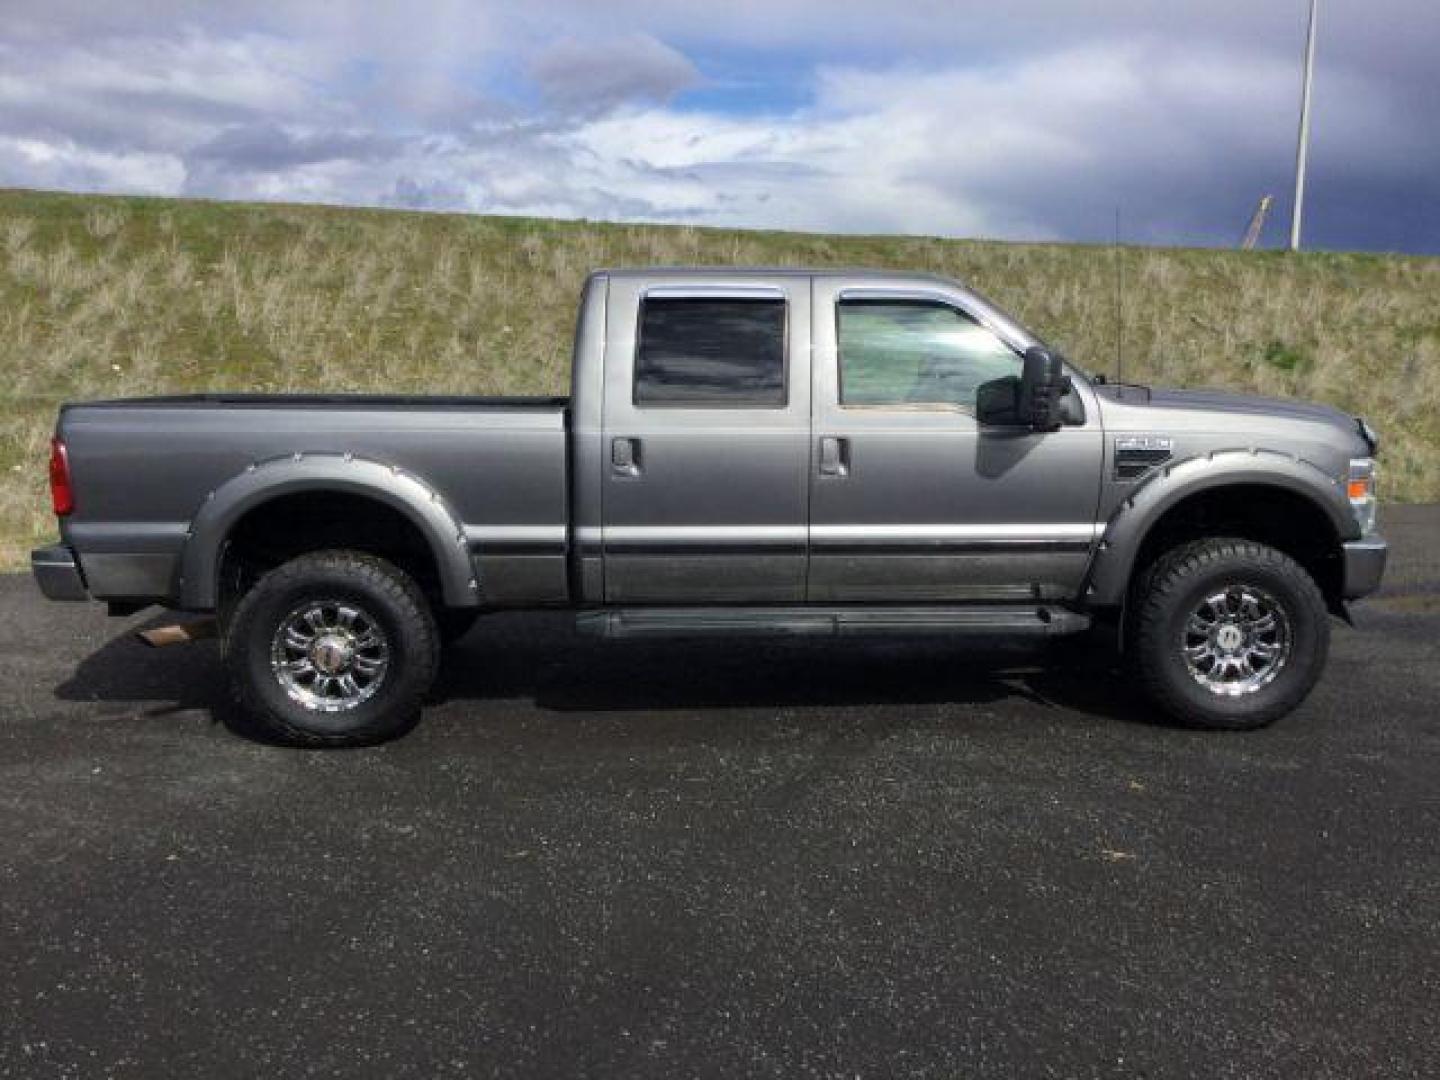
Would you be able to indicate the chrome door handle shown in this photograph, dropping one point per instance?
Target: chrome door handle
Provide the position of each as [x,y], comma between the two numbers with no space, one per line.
[834,456]
[625,456]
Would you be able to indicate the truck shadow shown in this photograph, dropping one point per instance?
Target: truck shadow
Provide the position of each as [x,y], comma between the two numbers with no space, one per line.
[540,657]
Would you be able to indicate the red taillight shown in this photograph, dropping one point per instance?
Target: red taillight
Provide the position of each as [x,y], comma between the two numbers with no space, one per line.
[62,496]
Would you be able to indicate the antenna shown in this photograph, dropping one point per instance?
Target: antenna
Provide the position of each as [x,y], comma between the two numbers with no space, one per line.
[1119,303]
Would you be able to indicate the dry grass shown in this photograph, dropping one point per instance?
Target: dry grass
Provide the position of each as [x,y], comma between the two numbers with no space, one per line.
[103,296]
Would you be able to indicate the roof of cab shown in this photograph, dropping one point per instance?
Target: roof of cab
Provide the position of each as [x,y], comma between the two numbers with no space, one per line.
[693,272]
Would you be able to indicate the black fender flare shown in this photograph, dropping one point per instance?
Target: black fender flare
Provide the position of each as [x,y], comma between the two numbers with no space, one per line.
[1125,532]
[264,481]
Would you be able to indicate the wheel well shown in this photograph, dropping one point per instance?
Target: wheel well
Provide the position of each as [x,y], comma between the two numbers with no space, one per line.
[292,525]
[1274,516]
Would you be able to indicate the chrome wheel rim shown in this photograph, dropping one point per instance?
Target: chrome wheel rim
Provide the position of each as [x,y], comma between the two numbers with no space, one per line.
[330,655]
[1236,640]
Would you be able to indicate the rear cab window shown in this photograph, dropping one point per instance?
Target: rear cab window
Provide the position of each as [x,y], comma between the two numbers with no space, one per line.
[711,353]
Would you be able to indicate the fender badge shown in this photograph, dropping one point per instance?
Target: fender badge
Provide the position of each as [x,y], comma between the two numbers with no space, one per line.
[1144,444]
[1135,455]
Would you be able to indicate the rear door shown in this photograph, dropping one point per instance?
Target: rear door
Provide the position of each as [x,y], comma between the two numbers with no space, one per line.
[706,431]
[911,498]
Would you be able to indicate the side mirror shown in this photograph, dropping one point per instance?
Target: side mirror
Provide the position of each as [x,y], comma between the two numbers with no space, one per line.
[997,402]
[1035,399]
[1043,384]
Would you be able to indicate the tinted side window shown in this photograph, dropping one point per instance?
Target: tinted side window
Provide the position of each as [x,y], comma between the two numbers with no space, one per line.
[711,354]
[906,352]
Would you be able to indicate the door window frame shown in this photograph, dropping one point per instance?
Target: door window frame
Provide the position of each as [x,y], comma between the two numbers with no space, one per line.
[880,296]
[619,415]
[716,293]
[829,414]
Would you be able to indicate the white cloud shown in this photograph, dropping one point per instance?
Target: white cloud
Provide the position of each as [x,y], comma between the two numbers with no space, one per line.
[1183,113]
[61,164]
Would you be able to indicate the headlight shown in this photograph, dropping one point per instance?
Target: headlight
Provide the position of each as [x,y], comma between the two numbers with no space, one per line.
[1361,489]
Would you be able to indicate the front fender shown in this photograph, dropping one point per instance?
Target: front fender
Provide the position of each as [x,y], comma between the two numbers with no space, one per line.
[1166,488]
[266,480]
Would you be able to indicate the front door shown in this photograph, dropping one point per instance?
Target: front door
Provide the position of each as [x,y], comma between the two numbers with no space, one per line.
[911,499]
[706,439]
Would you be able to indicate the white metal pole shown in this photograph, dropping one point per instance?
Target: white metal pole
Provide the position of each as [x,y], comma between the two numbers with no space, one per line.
[1302,151]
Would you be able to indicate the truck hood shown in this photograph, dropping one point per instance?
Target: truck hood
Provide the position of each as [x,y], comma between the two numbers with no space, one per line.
[1251,404]
[1226,410]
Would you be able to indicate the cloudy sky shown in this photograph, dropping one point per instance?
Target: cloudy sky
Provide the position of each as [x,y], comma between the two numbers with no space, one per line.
[1030,119]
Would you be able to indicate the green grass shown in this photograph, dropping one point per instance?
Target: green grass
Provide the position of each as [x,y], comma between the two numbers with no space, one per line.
[107,296]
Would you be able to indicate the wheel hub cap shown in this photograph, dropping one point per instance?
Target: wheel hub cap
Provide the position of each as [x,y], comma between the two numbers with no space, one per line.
[1230,637]
[330,655]
[1236,640]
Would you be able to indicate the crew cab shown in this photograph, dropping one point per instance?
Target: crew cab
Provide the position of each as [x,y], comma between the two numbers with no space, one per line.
[742,451]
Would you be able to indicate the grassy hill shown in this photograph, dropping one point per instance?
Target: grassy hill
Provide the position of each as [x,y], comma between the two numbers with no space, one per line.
[106,296]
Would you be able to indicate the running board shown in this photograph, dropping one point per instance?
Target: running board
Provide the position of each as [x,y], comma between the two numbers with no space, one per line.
[1001,620]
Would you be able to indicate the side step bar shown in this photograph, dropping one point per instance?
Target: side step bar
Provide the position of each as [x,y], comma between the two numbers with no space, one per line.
[1000,620]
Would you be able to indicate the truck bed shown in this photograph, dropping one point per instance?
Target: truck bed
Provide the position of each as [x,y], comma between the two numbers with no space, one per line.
[330,401]
[145,470]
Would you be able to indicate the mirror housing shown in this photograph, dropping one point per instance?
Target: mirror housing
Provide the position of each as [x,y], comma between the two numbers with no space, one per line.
[1043,383]
[1036,399]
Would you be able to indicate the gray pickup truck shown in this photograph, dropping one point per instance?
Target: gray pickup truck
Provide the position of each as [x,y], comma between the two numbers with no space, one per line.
[743,451]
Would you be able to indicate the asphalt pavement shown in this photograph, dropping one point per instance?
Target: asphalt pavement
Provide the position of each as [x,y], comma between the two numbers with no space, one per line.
[743,859]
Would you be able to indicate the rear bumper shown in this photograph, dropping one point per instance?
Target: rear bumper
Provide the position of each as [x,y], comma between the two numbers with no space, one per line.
[1364,565]
[58,574]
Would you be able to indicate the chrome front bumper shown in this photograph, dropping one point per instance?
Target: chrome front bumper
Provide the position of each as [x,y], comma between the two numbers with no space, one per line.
[57,573]
[1364,565]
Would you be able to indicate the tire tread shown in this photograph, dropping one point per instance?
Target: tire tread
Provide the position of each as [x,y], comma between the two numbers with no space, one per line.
[1175,572]
[421,634]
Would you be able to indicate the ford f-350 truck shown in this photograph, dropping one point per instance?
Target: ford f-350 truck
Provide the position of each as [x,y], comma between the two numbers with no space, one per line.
[743,451]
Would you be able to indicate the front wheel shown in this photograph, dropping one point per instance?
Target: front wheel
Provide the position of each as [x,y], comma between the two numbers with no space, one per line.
[334,648]
[1229,633]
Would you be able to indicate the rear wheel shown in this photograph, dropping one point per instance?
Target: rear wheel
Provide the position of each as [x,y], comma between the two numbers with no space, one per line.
[334,648]
[1228,633]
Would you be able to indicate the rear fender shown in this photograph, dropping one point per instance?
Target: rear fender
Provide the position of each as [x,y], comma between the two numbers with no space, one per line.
[266,480]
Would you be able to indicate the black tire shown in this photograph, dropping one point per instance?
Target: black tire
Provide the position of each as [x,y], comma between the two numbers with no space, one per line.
[1177,584]
[391,604]
[454,623]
